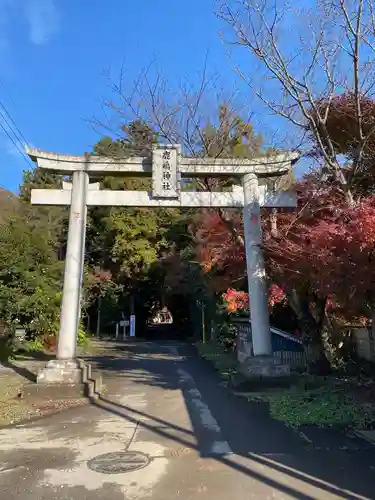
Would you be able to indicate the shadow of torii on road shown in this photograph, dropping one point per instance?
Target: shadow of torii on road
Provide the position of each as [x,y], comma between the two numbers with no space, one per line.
[262,448]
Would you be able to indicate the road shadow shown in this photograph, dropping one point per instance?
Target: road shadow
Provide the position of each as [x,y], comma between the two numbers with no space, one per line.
[34,355]
[136,366]
[23,357]
[20,370]
[253,436]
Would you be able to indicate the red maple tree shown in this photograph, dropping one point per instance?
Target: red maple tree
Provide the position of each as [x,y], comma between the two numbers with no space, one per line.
[325,248]
[237,300]
[217,250]
[322,253]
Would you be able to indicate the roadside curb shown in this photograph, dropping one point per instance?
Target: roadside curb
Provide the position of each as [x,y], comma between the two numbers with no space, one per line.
[365,435]
[93,384]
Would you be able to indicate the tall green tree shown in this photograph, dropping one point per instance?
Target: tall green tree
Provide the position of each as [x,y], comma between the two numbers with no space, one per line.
[30,273]
[32,246]
[130,241]
[136,236]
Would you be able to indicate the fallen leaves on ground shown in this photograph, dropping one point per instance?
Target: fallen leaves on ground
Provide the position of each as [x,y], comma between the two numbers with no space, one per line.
[14,408]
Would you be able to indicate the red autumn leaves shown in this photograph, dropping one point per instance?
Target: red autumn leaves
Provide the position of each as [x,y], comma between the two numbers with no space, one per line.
[235,300]
[325,247]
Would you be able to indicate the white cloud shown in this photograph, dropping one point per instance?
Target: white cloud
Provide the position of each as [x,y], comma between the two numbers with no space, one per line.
[41,16]
[5,21]
[43,20]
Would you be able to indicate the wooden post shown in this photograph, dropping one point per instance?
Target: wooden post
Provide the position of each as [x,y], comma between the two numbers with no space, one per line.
[203,325]
[98,316]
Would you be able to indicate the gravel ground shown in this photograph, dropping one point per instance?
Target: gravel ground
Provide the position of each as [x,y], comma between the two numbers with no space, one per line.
[14,408]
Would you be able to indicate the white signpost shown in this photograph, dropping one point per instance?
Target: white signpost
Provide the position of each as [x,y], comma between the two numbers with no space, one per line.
[124,323]
[166,166]
[132,325]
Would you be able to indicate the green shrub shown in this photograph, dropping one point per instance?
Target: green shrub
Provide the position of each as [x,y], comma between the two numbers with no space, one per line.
[223,361]
[82,339]
[226,337]
[322,407]
[48,341]
[35,344]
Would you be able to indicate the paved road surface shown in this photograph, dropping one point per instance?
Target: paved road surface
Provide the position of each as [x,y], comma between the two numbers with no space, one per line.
[201,441]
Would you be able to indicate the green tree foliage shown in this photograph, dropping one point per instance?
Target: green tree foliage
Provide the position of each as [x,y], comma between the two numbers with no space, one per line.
[55,219]
[232,136]
[128,250]
[187,287]
[137,140]
[30,273]
[129,242]
[9,204]
[136,237]
[32,242]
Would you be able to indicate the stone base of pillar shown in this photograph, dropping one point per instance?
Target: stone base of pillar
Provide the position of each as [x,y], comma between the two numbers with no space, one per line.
[60,371]
[263,367]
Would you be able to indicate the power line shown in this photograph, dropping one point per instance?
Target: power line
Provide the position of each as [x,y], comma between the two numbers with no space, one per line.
[15,145]
[6,91]
[19,136]
[14,123]
[11,129]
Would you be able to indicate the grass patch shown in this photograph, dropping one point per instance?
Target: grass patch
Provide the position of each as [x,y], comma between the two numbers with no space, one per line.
[331,404]
[224,362]
[302,399]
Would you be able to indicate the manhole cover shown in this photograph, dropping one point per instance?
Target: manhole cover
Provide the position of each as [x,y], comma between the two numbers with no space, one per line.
[119,462]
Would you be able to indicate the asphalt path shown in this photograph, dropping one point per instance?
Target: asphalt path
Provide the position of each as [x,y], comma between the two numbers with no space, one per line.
[166,428]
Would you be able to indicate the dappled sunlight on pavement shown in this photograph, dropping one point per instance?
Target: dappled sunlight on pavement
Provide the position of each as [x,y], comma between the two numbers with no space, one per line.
[198,440]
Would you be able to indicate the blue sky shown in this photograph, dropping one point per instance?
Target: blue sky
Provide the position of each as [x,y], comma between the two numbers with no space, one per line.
[55,54]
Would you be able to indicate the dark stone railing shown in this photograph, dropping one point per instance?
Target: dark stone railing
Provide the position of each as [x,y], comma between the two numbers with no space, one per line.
[288,348]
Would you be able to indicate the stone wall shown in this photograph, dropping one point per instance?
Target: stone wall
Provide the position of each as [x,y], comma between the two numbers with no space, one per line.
[365,344]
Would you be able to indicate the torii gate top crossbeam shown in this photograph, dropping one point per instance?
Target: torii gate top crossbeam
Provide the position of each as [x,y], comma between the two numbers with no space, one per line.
[264,166]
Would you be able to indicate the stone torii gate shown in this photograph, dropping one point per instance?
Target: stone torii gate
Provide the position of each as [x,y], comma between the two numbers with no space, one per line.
[167,168]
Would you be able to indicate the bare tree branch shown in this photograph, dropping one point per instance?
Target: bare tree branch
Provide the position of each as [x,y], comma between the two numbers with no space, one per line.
[326,52]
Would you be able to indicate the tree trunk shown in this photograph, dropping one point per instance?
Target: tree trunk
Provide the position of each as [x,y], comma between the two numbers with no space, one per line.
[311,330]
[373,321]
[132,305]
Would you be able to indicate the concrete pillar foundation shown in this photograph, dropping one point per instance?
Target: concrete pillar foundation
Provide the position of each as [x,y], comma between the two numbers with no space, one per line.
[256,367]
[61,371]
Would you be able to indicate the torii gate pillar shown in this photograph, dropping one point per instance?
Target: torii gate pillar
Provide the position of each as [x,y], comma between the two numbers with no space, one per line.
[256,273]
[263,363]
[166,168]
[65,369]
